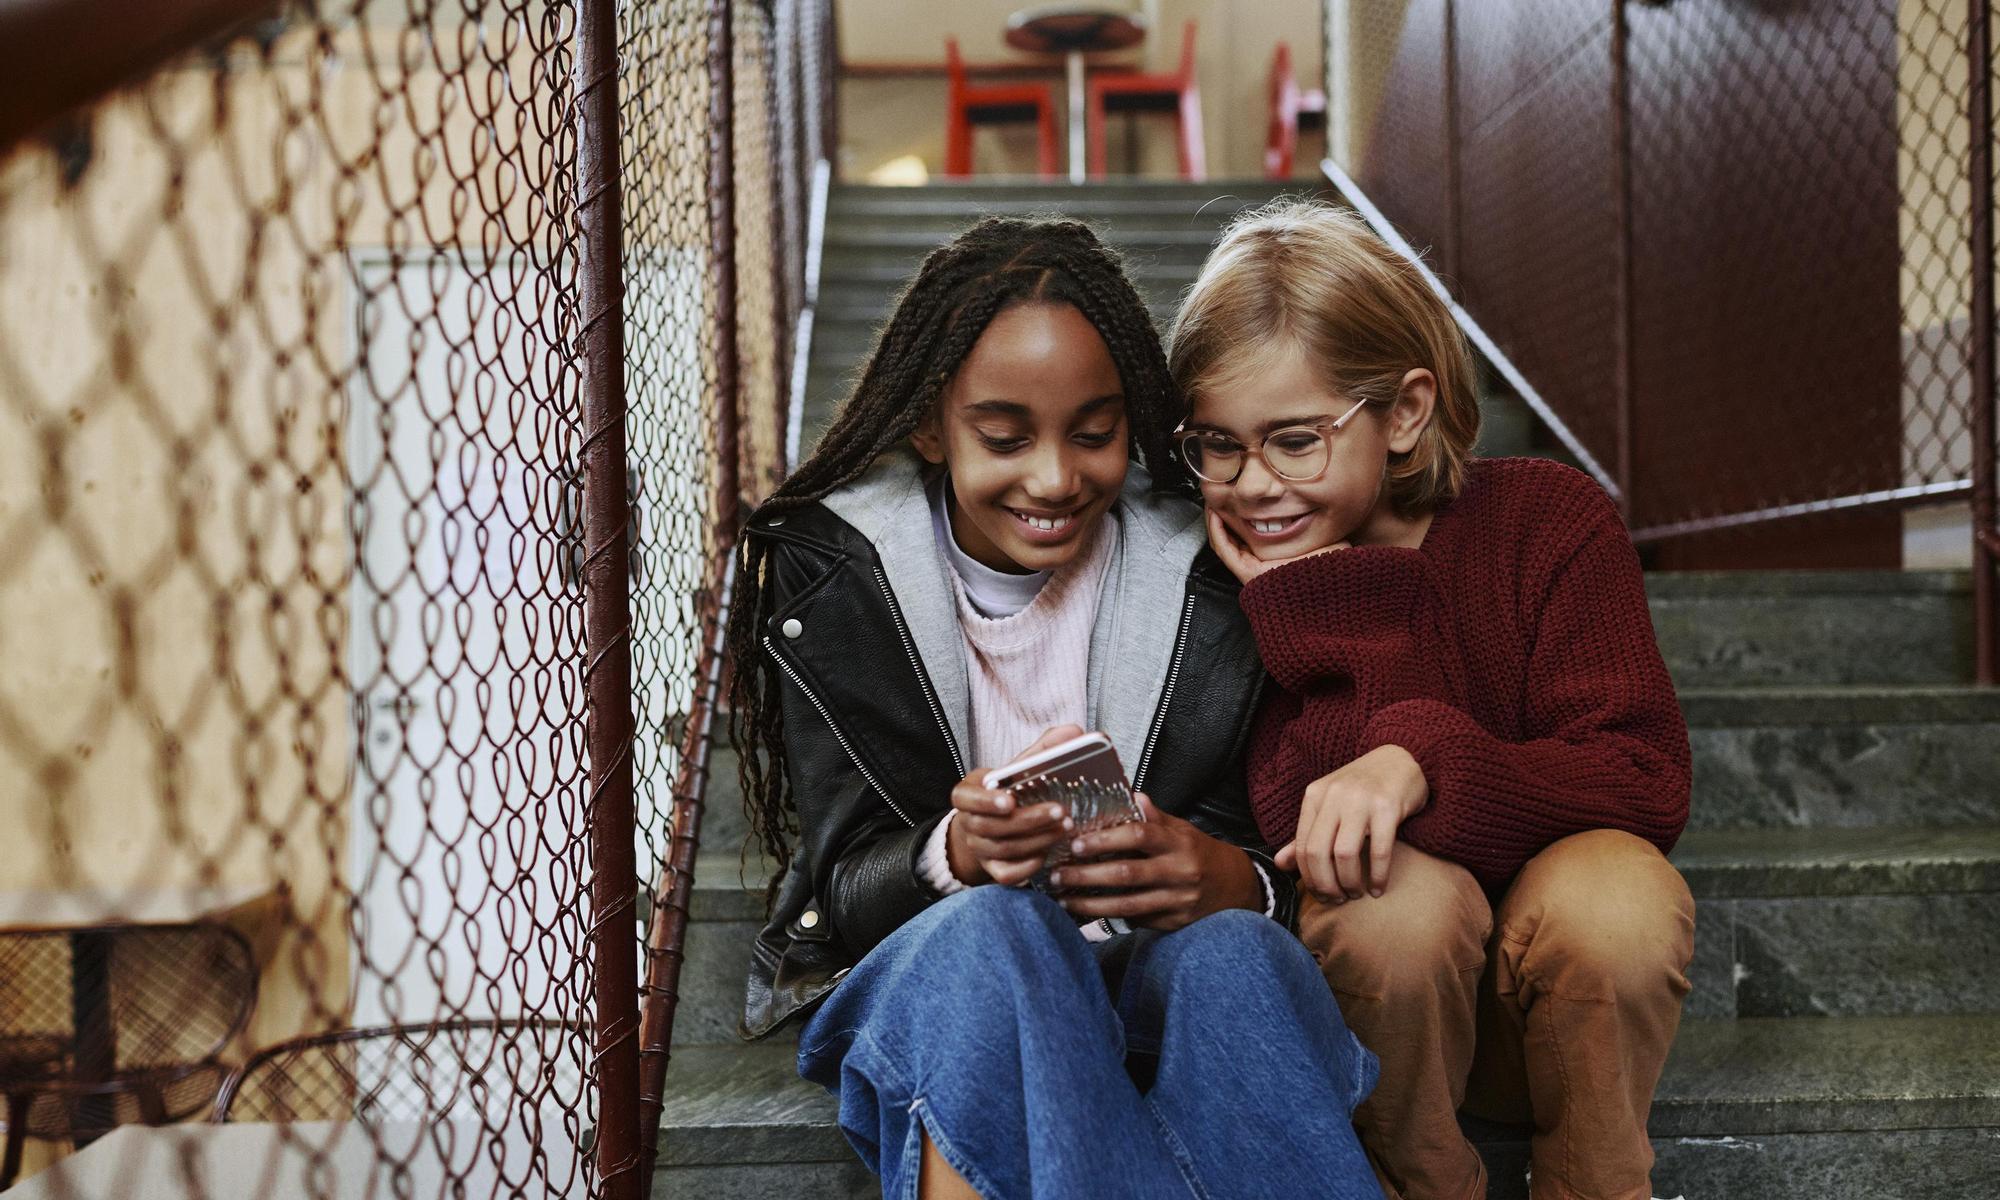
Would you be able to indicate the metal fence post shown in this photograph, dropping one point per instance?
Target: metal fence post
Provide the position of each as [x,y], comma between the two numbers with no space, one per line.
[722,254]
[1985,520]
[1621,192]
[607,604]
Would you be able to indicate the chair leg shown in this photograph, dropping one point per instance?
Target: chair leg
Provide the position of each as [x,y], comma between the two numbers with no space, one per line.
[1048,147]
[1194,158]
[1094,130]
[152,1104]
[957,143]
[17,1136]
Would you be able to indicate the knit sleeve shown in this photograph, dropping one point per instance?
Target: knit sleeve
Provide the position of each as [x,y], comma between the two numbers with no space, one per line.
[1343,634]
[1337,618]
[1606,744]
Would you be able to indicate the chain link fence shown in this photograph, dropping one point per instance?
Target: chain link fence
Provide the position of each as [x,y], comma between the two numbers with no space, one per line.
[380,384]
[1742,252]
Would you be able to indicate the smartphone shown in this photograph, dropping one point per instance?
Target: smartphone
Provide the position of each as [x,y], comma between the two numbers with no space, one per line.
[1087,757]
[1084,776]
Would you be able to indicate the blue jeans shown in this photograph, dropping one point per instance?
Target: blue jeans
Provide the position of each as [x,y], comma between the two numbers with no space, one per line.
[1222,1069]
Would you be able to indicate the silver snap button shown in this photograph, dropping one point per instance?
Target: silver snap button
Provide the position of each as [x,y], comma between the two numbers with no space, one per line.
[774,522]
[791,628]
[808,919]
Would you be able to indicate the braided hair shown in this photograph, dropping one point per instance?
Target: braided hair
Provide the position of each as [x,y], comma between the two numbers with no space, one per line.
[997,264]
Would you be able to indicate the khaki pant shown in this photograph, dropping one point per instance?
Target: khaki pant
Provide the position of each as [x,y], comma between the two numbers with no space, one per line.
[1557,1008]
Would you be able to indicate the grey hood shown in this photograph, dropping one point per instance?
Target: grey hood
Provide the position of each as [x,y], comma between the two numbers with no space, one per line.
[1138,612]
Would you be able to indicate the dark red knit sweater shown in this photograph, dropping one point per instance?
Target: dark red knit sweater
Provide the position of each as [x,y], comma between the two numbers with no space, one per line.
[1512,655]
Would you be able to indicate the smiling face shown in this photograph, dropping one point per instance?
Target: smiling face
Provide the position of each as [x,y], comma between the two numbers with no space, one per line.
[1275,517]
[1032,431]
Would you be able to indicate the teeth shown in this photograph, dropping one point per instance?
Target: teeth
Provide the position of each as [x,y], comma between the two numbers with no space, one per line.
[1044,523]
[1268,526]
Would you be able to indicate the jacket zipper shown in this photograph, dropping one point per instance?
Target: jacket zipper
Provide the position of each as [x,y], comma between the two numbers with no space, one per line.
[923,679]
[1166,694]
[837,735]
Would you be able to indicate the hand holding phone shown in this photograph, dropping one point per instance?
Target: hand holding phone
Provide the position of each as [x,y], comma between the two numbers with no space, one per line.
[1084,777]
[998,837]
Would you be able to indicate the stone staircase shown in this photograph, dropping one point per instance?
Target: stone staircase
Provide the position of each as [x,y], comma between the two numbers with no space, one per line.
[1843,1036]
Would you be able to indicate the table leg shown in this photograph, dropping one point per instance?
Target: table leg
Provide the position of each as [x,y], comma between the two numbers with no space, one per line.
[1076,117]
[90,1020]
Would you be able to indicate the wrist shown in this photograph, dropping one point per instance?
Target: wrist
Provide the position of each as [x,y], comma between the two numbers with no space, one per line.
[1244,889]
[1256,898]
[1416,789]
[959,857]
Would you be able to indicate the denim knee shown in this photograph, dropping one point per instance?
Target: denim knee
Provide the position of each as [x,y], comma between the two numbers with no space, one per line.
[995,928]
[1236,942]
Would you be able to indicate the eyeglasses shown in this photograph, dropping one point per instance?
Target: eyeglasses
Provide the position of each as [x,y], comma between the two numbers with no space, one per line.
[1297,452]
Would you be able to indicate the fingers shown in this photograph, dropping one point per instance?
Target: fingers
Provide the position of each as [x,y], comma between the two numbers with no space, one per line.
[1138,904]
[1141,837]
[1381,845]
[1287,856]
[1026,836]
[1233,553]
[1347,866]
[1315,853]
[1126,874]
[974,799]
[1009,872]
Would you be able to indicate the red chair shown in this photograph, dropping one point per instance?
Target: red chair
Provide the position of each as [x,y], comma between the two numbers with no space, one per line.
[1178,93]
[994,105]
[1292,109]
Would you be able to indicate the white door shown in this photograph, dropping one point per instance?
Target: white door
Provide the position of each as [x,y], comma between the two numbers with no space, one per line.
[466,844]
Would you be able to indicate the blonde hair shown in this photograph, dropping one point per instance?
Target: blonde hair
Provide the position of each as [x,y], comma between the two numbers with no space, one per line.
[1300,273]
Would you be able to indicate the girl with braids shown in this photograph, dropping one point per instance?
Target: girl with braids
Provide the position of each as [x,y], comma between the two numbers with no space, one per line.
[967,568]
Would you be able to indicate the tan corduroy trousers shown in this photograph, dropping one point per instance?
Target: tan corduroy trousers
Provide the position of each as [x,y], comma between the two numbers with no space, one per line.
[1554,1008]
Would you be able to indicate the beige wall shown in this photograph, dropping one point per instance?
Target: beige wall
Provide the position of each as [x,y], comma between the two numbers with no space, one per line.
[883,119]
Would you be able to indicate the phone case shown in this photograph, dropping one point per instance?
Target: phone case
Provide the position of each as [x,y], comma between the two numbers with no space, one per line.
[1087,781]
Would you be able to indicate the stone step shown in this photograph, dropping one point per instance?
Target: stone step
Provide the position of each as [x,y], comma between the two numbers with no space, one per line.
[1783,917]
[1844,756]
[1856,1108]
[1109,199]
[906,248]
[850,331]
[1803,628]
[949,214]
[877,286]
[1844,922]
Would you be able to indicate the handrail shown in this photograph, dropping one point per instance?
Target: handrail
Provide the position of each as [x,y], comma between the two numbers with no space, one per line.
[822,183]
[1351,192]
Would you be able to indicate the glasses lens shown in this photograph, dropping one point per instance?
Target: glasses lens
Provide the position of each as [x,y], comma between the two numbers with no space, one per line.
[1214,458]
[1296,453]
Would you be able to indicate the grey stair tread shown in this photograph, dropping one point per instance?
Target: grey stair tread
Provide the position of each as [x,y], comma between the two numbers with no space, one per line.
[1127,238]
[889,275]
[1839,705]
[849,322]
[1017,188]
[728,886]
[1742,863]
[1703,585]
[745,1103]
[1793,1075]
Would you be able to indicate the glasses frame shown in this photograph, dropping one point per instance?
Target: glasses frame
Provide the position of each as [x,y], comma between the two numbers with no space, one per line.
[1182,434]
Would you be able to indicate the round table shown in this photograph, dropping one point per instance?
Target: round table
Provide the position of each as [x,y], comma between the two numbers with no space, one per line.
[1074,30]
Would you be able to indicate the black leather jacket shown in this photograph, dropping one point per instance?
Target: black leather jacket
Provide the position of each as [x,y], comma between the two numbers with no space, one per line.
[873,759]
